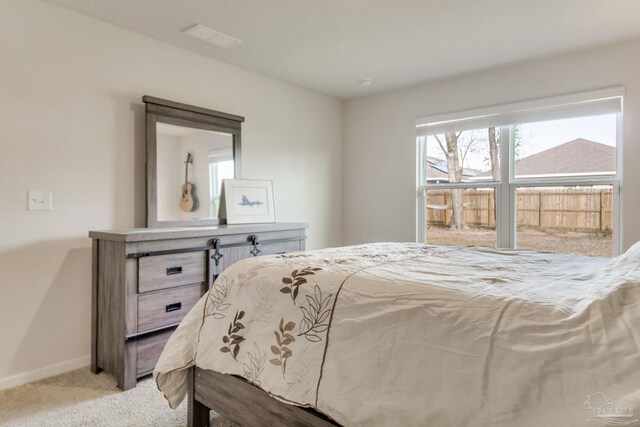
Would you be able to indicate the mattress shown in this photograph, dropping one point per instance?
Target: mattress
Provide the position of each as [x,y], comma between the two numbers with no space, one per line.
[413,334]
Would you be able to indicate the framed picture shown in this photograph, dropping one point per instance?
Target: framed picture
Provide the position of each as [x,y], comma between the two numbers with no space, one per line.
[247,201]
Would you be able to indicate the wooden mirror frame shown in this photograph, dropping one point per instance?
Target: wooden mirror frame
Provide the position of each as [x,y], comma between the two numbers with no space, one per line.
[175,113]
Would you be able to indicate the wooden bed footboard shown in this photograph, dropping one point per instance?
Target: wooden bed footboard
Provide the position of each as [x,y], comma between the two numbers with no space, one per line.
[243,403]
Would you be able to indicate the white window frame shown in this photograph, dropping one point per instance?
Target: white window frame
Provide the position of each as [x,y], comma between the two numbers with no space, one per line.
[215,158]
[505,189]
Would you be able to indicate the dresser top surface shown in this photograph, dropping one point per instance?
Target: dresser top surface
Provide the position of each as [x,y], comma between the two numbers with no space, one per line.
[147,234]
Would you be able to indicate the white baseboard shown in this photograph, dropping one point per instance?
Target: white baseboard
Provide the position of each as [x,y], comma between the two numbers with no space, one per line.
[46,372]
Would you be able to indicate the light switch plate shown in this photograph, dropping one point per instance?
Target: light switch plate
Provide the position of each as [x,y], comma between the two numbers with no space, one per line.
[39,200]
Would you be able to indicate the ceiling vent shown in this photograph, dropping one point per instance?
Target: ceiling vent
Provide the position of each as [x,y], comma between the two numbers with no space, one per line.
[212,36]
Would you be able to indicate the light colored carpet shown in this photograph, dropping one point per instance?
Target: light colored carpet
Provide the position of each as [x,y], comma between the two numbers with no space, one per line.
[80,398]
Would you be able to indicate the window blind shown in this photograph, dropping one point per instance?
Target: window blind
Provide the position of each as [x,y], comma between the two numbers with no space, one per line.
[595,103]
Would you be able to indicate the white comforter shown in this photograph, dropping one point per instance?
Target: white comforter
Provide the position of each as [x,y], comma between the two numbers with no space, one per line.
[415,335]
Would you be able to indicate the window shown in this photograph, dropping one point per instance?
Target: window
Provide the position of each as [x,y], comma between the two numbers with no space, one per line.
[220,168]
[540,175]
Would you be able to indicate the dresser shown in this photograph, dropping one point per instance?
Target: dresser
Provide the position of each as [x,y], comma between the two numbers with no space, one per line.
[144,281]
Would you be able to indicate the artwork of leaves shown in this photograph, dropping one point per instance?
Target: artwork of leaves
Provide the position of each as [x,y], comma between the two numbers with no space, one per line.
[217,298]
[254,368]
[296,280]
[338,261]
[282,351]
[245,276]
[292,259]
[233,338]
[263,303]
[315,317]
[293,256]
[373,257]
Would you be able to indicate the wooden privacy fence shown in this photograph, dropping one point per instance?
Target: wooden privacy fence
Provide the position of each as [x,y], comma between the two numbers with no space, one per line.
[568,209]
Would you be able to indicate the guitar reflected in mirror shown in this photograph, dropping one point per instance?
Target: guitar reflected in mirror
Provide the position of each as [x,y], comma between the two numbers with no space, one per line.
[189,200]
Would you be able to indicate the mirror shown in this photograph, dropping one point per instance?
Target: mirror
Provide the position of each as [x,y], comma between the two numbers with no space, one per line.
[191,164]
[190,150]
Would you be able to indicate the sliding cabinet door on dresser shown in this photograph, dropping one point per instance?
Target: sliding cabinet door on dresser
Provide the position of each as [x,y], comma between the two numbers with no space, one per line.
[146,280]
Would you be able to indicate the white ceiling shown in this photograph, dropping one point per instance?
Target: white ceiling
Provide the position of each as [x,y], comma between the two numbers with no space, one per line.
[327,45]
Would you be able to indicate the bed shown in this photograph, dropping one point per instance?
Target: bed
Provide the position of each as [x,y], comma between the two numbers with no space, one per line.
[413,335]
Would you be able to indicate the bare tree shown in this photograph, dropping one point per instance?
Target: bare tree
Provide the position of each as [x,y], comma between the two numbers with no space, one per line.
[494,146]
[493,154]
[456,148]
[454,170]
[493,158]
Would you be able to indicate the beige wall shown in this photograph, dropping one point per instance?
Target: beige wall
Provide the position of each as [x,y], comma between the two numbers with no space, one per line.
[168,155]
[379,137]
[71,122]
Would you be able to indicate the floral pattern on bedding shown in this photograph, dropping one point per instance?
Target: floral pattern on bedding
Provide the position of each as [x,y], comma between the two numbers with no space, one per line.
[266,319]
[412,334]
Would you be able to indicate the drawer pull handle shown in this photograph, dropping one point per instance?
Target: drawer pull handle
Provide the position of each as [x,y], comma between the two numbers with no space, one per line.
[254,241]
[280,253]
[174,270]
[173,307]
[217,256]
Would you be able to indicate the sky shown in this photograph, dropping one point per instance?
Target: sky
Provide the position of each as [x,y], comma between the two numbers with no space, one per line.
[541,136]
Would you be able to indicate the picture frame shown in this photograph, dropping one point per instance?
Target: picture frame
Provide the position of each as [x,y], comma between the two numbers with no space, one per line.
[247,201]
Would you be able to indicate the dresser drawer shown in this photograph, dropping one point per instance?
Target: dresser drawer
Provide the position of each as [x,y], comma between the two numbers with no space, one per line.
[149,350]
[279,248]
[164,308]
[167,271]
[145,281]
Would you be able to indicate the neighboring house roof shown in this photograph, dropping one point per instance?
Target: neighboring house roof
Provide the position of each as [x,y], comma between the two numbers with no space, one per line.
[577,157]
[437,169]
